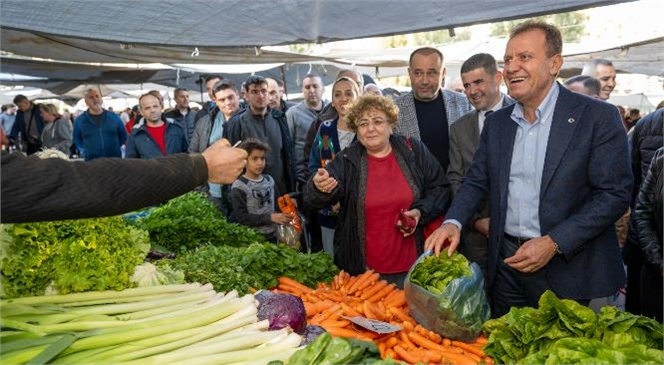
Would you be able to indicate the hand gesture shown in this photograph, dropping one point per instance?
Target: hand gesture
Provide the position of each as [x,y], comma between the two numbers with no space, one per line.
[224,162]
[281,218]
[447,231]
[324,182]
[415,215]
[532,255]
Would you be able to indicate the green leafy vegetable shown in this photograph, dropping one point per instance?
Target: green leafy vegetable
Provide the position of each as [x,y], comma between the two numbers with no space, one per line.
[566,332]
[73,256]
[434,273]
[190,221]
[256,266]
[328,350]
[149,274]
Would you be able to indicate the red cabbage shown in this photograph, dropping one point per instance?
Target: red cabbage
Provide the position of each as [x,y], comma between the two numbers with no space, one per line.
[282,310]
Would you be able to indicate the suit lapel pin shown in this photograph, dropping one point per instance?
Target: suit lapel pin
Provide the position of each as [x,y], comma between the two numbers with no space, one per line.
[570,120]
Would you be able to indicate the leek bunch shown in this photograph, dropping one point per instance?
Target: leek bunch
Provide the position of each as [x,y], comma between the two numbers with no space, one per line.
[168,324]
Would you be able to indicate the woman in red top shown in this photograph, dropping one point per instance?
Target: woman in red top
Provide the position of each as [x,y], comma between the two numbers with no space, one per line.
[375,180]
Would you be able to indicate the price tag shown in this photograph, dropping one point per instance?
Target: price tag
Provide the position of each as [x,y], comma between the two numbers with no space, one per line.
[374,325]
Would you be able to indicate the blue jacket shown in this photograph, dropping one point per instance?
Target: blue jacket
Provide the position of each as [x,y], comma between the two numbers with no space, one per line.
[586,187]
[104,140]
[141,145]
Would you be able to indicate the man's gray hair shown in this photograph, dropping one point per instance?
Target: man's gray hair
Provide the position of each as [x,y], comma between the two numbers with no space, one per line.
[591,66]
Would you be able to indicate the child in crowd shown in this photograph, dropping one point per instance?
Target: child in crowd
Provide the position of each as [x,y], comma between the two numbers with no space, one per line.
[253,194]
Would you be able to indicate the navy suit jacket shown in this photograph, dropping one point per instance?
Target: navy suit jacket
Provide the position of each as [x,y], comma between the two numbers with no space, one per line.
[586,186]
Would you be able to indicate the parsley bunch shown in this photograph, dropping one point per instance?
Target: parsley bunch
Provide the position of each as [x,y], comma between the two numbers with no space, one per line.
[191,221]
[257,266]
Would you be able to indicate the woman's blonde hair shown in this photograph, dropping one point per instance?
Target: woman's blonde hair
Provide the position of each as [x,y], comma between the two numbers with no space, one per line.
[50,109]
[368,102]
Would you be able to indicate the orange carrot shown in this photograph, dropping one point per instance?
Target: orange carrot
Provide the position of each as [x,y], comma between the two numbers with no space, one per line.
[488,360]
[349,284]
[328,313]
[398,300]
[368,311]
[383,293]
[481,340]
[333,296]
[408,325]
[406,342]
[406,356]
[315,308]
[349,333]
[422,341]
[400,314]
[335,323]
[373,289]
[391,354]
[349,311]
[391,342]
[469,348]
[369,281]
[291,289]
[433,336]
[447,342]
[382,348]
[458,359]
[360,281]
[288,281]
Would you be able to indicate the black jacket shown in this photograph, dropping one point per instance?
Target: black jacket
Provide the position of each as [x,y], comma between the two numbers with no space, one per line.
[423,173]
[235,131]
[646,137]
[648,213]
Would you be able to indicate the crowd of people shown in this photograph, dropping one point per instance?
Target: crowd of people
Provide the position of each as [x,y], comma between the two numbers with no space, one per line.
[546,187]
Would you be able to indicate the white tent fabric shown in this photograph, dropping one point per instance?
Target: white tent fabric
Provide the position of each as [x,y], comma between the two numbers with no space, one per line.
[226,31]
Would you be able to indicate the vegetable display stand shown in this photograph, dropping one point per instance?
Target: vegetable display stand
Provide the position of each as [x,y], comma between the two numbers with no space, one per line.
[332,306]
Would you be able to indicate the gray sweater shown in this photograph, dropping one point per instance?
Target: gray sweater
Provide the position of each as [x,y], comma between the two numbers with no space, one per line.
[253,204]
[58,135]
[299,119]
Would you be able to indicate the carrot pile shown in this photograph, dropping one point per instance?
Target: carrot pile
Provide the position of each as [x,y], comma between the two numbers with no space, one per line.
[367,296]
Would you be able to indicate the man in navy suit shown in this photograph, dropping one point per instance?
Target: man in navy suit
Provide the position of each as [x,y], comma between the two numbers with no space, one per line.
[556,172]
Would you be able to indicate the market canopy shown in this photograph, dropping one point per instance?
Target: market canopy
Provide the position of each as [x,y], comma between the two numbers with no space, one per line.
[232,31]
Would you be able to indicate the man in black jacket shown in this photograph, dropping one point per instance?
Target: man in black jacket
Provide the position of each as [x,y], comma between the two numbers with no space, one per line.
[27,127]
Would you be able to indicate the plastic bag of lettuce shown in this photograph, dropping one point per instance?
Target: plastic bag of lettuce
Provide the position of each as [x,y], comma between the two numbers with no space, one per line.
[69,256]
[446,295]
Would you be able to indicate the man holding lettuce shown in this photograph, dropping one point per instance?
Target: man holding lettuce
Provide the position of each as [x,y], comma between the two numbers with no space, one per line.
[556,172]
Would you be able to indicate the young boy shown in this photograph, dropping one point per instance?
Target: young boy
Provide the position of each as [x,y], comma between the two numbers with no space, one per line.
[253,194]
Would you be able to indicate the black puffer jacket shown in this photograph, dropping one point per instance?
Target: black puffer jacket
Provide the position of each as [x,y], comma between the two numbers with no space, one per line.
[645,138]
[648,213]
[423,173]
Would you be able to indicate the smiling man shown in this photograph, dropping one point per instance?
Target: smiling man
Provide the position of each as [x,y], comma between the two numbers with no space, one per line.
[604,71]
[481,81]
[556,172]
[427,111]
